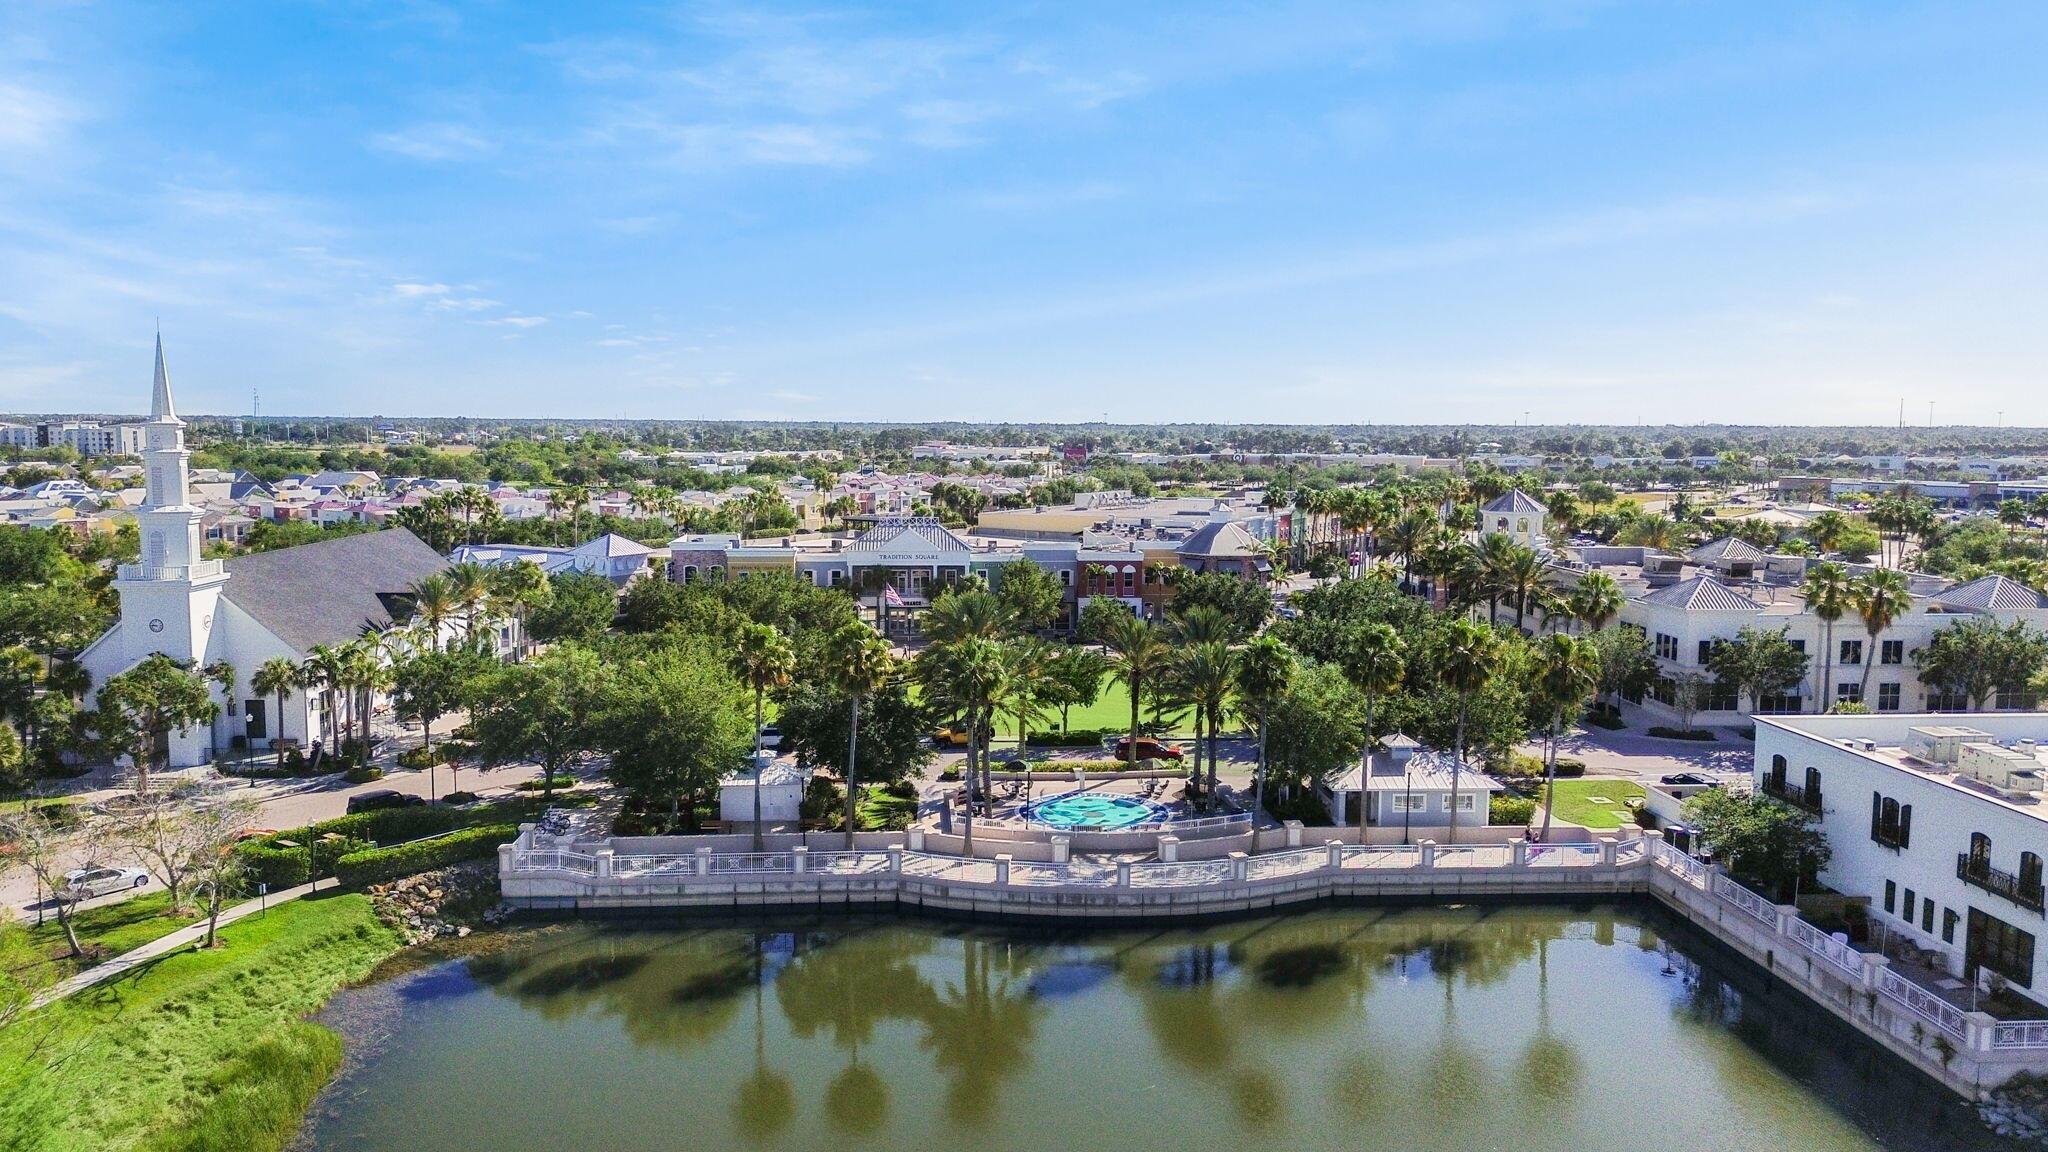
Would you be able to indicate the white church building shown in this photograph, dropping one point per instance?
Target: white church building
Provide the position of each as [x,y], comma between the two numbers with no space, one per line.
[244,610]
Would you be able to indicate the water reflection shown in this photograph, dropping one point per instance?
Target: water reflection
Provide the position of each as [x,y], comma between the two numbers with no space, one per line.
[1456,1027]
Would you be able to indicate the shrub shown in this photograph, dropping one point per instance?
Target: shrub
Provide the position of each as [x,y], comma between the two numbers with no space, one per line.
[417,758]
[266,769]
[1510,810]
[949,775]
[1609,721]
[1663,733]
[362,773]
[295,760]
[559,783]
[459,798]
[1068,767]
[1072,738]
[376,865]
[1524,766]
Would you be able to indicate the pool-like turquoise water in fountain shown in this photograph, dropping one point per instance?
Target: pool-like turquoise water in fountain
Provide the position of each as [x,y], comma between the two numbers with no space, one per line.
[1467,1029]
[1096,810]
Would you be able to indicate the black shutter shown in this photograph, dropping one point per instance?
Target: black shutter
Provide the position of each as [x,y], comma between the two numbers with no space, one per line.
[1905,825]
[1876,813]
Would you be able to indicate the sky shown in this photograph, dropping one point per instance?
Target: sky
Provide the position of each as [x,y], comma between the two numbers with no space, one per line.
[1445,212]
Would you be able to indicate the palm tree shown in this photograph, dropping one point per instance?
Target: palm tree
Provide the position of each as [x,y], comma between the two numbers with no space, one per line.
[1377,661]
[1520,573]
[326,669]
[277,676]
[1409,535]
[222,672]
[1471,654]
[860,663]
[764,660]
[1136,655]
[1827,597]
[968,675]
[1827,529]
[1264,668]
[1596,601]
[1203,673]
[960,613]
[469,586]
[1880,596]
[364,673]
[433,604]
[1567,671]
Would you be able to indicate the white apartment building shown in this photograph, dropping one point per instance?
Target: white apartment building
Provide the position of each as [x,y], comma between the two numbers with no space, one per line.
[1941,824]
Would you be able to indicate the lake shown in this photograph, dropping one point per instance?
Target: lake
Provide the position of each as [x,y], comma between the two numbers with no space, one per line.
[1477,1027]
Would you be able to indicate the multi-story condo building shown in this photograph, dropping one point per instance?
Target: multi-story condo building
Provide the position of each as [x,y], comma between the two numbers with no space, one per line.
[1939,825]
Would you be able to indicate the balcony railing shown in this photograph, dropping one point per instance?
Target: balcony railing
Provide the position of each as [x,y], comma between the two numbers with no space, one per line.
[1979,874]
[1888,835]
[1793,794]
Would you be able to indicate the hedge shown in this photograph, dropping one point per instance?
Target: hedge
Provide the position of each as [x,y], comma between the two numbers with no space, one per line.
[376,865]
[286,867]
[1700,734]
[1073,738]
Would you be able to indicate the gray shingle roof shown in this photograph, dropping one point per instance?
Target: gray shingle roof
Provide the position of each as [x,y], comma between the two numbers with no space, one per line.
[1992,592]
[1702,594]
[331,591]
[1515,502]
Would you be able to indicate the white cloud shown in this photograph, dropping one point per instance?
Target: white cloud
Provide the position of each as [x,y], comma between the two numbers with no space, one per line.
[434,142]
[515,321]
[414,291]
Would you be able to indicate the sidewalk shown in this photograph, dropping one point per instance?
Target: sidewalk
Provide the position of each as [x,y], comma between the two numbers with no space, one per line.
[161,946]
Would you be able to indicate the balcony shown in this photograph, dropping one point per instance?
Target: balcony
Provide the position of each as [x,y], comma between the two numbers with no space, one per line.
[1793,794]
[201,570]
[1979,874]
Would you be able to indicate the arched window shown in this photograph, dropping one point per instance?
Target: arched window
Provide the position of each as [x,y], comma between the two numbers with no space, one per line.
[2030,871]
[1813,786]
[689,573]
[1980,850]
[1778,771]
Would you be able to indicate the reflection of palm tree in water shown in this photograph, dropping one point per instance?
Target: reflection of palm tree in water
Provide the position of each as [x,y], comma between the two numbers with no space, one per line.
[766,1102]
[979,1030]
[1551,1068]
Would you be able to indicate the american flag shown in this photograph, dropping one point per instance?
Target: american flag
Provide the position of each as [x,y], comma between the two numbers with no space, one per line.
[890,597]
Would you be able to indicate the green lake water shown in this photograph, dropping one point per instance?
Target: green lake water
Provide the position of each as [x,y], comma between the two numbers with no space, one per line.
[1497,1027]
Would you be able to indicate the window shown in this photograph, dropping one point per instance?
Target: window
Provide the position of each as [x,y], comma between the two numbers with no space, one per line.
[2030,870]
[1721,698]
[1799,646]
[1891,895]
[1707,650]
[2010,699]
[1467,802]
[1852,652]
[1667,646]
[1892,652]
[1410,802]
[1999,946]
[1891,823]
[1888,696]
[1522,525]
[1906,905]
[1948,925]
[1851,693]
[1927,916]
[1943,700]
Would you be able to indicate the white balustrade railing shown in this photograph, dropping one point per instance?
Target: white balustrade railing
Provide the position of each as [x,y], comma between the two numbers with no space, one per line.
[1746,900]
[1835,952]
[551,860]
[660,865]
[751,862]
[1563,855]
[1679,864]
[2020,1034]
[1922,1003]
[1388,856]
[1195,874]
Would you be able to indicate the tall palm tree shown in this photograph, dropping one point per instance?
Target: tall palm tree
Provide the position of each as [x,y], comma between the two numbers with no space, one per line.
[1596,601]
[1471,655]
[364,673]
[326,668]
[1264,669]
[1410,535]
[764,660]
[433,605]
[1203,673]
[1521,571]
[518,589]
[1567,671]
[1199,625]
[1827,596]
[1136,656]
[968,675]
[958,613]
[1376,660]
[277,676]
[1880,596]
[1827,529]
[470,588]
[859,663]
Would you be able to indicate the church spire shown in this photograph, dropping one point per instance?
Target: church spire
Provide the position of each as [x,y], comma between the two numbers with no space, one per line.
[160,400]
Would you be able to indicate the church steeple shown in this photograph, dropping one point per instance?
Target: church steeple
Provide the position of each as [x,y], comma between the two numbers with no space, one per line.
[160,410]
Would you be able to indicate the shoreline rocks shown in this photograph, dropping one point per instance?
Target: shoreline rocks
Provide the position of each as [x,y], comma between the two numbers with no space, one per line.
[444,903]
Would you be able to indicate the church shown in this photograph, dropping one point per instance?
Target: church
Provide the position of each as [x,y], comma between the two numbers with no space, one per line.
[244,610]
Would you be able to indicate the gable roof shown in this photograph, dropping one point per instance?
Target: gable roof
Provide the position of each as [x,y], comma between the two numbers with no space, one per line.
[1225,538]
[1728,550]
[1991,592]
[1702,594]
[611,544]
[921,533]
[331,591]
[1515,501]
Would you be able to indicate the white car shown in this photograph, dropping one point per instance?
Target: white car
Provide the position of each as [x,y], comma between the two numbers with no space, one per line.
[95,880]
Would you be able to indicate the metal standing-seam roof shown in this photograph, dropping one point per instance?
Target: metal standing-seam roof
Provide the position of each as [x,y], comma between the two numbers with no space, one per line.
[1726,550]
[331,591]
[1223,538]
[1702,594]
[1514,501]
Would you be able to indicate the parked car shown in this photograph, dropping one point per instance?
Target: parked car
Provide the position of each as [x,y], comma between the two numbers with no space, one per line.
[380,798]
[98,880]
[1148,749]
[950,736]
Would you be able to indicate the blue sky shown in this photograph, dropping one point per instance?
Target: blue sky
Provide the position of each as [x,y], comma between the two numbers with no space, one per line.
[1432,212]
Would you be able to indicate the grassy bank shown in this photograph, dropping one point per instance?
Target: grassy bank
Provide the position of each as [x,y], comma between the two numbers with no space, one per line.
[105,931]
[1601,805]
[198,1051]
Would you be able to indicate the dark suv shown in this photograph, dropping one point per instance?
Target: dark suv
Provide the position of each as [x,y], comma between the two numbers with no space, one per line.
[380,798]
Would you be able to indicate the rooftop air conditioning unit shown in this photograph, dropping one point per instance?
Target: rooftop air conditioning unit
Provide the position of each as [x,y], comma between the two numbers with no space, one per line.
[1941,743]
[2009,770]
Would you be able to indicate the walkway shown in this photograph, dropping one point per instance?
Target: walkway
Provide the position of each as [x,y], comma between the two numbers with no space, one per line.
[161,946]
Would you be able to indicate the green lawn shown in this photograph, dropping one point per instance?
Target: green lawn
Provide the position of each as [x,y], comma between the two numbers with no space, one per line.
[200,1050]
[1577,803]
[111,929]
[1111,710]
